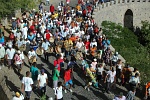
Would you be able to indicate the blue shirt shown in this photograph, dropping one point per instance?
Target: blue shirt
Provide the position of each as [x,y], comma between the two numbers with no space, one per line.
[2,40]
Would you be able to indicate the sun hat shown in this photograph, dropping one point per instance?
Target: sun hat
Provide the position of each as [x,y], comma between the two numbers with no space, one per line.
[19,52]
[95,59]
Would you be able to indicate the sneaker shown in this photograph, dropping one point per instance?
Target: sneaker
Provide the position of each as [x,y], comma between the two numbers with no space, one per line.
[65,91]
[85,87]
[70,90]
[88,89]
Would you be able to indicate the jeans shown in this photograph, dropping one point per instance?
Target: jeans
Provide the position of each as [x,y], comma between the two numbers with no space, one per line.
[42,90]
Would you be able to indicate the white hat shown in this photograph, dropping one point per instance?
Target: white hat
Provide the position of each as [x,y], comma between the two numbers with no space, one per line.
[19,52]
[100,36]
[116,53]
[0,45]
[95,59]
[10,46]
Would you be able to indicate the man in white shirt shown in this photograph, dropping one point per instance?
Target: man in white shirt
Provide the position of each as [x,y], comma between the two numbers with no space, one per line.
[93,43]
[24,32]
[26,86]
[32,56]
[9,55]
[19,59]
[2,54]
[80,44]
[120,97]
[45,46]
[134,81]
[110,79]
[42,82]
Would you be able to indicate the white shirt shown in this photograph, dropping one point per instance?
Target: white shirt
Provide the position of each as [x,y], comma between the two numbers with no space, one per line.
[45,45]
[30,54]
[27,81]
[79,45]
[58,92]
[111,76]
[42,79]
[16,98]
[10,53]
[100,69]
[24,32]
[19,58]
[134,79]
[2,52]
[43,28]
[122,98]
[93,43]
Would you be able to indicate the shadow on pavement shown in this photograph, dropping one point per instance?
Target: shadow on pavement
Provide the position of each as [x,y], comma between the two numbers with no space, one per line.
[80,97]
[11,85]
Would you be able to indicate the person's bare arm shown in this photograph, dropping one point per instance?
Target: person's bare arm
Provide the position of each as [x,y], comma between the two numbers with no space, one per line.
[22,87]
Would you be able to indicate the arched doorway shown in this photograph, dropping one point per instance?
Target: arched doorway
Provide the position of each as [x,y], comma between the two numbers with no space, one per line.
[128,19]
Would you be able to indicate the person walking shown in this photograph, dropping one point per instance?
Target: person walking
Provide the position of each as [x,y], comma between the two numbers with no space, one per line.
[9,55]
[19,60]
[131,94]
[26,86]
[2,54]
[34,73]
[110,79]
[67,79]
[55,77]
[58,92]
[42,82]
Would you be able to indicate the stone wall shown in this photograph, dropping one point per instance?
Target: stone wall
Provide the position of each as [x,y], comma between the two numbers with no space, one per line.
[115,10]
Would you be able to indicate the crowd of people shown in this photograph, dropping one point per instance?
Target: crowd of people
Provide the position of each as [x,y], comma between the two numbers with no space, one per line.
[68,33]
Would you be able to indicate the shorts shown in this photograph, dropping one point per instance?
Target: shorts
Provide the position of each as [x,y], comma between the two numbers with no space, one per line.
[19,66]
[10,62]
[55,83]
[69,82]
[27,94]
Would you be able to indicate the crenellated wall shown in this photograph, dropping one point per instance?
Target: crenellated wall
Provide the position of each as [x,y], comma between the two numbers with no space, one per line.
[115,10]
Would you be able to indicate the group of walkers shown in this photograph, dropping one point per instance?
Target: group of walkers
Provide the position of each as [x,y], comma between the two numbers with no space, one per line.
[71,35]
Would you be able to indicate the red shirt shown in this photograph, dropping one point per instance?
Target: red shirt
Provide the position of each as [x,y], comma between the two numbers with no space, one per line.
[47,36]
[84,12]
[67,75]
[52,9]
[87,44]
[58,62]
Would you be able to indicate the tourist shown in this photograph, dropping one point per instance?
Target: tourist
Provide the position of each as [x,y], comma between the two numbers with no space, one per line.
[26,86]
[34,73]
[42,82]
[18,96]
[9,56]
[58,92]
[2,55]
[55,77]
[110,79]
[45,46]
[120,97]
[99,73]
[19,60]
[134,81]
[131,94]
[67,79]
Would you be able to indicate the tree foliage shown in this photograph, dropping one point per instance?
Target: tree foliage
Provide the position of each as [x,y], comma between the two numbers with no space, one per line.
[9,6]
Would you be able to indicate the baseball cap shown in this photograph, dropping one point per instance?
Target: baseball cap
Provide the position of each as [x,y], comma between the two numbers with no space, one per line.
[42,70]
[17,94]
